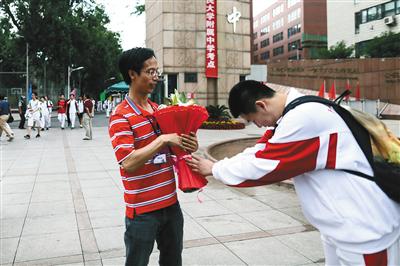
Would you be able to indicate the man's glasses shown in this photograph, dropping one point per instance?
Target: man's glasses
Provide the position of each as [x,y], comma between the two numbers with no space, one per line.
[153,72]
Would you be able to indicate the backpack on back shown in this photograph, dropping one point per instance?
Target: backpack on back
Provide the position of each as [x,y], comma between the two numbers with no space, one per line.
[379,145]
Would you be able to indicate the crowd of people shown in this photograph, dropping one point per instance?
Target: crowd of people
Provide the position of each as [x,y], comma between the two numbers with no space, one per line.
[36,114]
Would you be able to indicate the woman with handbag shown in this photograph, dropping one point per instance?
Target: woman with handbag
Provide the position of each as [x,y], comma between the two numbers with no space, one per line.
[5,113]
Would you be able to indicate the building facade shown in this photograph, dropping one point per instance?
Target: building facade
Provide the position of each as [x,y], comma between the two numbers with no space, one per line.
[202,47]
[360,21]
[289,29]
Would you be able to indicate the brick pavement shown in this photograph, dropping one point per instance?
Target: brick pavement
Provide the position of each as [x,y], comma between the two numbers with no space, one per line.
[62,203]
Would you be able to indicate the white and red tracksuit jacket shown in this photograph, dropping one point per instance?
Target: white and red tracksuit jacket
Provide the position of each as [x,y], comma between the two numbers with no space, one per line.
[309,143]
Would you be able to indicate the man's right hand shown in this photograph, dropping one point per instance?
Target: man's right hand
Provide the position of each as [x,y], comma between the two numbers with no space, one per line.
[172,139]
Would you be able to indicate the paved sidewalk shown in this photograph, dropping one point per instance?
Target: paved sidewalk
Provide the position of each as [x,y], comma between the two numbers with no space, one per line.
[62,203]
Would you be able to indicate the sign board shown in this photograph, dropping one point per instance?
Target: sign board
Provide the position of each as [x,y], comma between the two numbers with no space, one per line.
[211,39]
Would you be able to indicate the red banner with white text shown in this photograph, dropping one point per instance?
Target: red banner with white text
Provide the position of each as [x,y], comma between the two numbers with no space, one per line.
[211,39]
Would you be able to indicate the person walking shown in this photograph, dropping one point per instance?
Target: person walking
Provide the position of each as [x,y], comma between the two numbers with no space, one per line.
[62,107]
[22,111]
[72,107]
[34,116]
[152,209]
[87,117]
[358,222]
[45,113]
[49,104]
[5,112]
[81,110]
[109,105]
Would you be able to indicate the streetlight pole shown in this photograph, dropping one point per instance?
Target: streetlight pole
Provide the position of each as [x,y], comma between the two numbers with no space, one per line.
[70,70]
[27,72]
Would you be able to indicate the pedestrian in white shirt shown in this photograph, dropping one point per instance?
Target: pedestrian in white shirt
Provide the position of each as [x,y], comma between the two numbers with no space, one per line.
[45,119]
[49,104]
[108,106]
[34,116]
[72,109]
[80,110]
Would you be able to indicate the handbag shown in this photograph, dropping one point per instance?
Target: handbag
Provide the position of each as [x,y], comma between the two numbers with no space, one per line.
[10,118]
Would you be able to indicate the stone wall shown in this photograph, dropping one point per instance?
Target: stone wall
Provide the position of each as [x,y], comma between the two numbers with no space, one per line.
[378,78]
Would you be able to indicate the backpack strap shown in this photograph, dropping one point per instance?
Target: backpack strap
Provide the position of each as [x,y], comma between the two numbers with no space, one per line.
[359,132]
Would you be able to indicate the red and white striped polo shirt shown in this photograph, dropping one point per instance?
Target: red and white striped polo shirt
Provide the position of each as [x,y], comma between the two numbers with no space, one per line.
[151,187]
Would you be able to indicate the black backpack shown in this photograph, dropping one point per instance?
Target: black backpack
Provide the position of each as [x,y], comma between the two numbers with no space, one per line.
[386,175]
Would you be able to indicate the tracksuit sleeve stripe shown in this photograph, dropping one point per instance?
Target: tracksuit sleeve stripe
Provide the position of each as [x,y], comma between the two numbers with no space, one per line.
[277,162]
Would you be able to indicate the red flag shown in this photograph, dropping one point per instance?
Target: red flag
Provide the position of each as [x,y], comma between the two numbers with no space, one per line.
[348,88]
[332,92]
[358,93]
[321,92]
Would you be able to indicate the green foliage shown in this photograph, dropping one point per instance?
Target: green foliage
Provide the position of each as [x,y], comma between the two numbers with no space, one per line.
[385,45]
[60,34]
[139,9]
[218,112]
[337,51]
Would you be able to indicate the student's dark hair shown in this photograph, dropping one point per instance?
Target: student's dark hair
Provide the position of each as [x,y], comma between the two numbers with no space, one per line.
[86,95]
[35,94]
[133,59]
[1,97]
[243,96]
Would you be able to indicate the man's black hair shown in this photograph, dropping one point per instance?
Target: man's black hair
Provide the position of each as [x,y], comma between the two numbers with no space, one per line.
[133,59]
[243,96]
[1,97]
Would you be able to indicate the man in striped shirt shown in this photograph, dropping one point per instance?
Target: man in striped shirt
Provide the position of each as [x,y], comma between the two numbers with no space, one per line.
[152,210]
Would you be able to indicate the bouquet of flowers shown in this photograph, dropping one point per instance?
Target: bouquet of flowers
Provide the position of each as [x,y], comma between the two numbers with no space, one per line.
[182,117]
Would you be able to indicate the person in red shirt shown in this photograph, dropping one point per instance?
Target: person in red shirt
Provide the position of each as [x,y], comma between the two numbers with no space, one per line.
[87,116]
[62,107]
[152,209]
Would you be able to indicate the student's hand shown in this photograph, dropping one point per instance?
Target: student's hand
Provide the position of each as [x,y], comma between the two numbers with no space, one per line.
[200,165]
[189,142]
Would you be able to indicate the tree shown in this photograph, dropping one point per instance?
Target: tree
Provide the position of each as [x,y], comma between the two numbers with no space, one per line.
[60,34]
[139,8]
[337,51]
[385,45]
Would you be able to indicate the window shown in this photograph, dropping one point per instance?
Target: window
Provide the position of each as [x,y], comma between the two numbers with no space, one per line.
[255,35]
[278,51]
[190,77]
[255,47]
[294,30]
[389,9]
[358,22]
[294,45]
[277,37]
[277,10]
[372,12]
[265,56]
[265,18]
[291,3]
[255,24]
[364,16]
[294,15]
[264,31]
[255,58]
[398,7]
[277,24]
[264,43]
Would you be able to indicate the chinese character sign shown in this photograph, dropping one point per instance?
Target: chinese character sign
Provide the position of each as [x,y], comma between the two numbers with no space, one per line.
[211,39]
